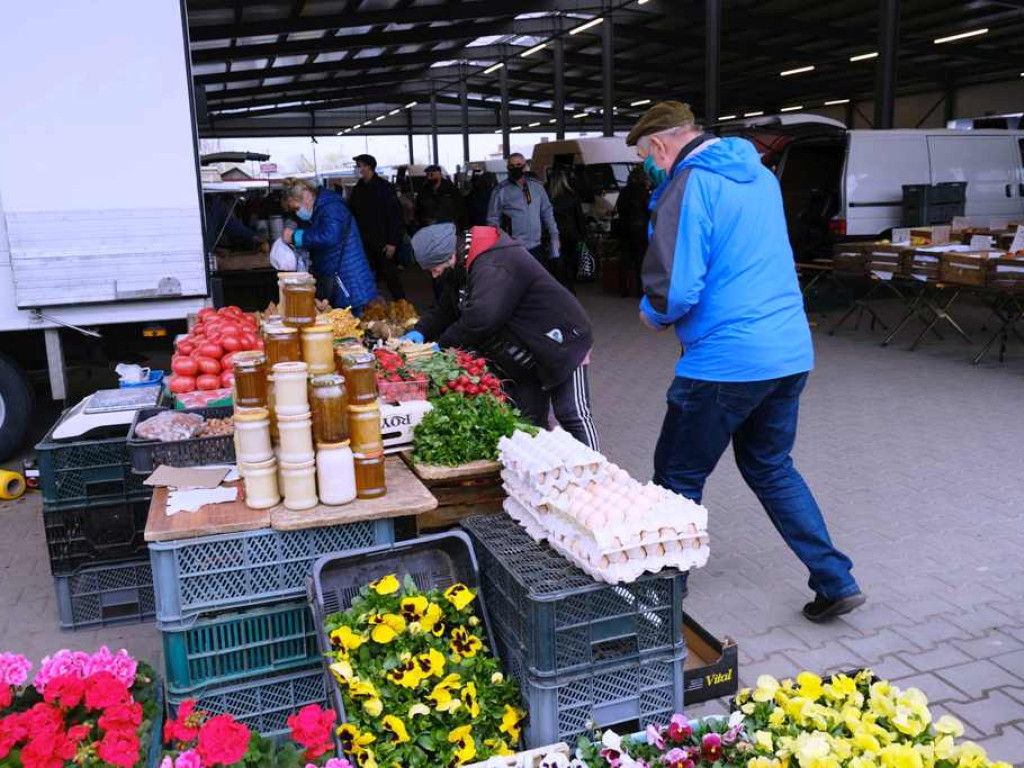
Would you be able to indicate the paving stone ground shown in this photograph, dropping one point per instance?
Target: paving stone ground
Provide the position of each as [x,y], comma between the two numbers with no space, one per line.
[917,460]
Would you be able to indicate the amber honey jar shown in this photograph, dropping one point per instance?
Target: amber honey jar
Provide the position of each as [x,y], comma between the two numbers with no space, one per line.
[329,403]
[370,475]
[298,295]
[364,425]
[250,369]
[318,348]
[360,371]
[281,345]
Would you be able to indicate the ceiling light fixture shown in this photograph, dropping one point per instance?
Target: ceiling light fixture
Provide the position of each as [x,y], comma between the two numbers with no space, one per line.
[378,119]
[792,109]
[727,117]
[836,102]
[518,128]
[494,67]
[579,115]
[535,49]
[533,125]
[960,36]
[411,104]
[752,114]
[864,56]
[583,27]
[394,111]
[639,103]
[552,121]
[797,71]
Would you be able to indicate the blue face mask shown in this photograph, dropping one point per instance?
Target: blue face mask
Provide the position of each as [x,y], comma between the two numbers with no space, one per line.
[657,175]
[304,214]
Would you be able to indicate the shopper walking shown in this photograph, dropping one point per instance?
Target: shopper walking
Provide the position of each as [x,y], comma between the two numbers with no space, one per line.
[572,225]
[439,200]
[479,198]
[632,218]
[500,301]
[328,230]
[720,270]
[520,206]
[376,208]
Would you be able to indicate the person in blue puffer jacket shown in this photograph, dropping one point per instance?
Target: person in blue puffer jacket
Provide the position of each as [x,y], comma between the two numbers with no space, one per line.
[329,232]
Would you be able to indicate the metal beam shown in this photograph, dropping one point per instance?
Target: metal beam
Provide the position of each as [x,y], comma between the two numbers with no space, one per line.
[433,126]
[409,134]
[464,110]
[607,75]
[506,136]
[559,87]
[885,67]
[712,58]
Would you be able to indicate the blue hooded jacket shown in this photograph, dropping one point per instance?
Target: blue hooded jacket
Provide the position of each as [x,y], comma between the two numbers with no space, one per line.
[332,237]
[720,268]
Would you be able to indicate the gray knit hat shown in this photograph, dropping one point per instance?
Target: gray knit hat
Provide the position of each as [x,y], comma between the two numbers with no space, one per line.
[434,245]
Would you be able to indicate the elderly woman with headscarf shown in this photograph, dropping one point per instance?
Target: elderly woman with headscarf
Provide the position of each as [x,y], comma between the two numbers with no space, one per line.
[501,302]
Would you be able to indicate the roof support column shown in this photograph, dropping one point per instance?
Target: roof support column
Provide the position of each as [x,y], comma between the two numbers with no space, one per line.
[608,74]
[433,125]
[559,100]
[408,128]
[885,71]
[712,59]
[506,133]
[464,106]
[949,105]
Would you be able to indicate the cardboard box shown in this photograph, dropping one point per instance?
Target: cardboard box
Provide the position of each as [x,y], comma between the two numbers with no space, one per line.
[712,665]
[966,267]
[851,258]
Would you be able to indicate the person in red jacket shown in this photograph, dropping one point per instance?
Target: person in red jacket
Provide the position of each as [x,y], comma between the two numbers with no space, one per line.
[502,303]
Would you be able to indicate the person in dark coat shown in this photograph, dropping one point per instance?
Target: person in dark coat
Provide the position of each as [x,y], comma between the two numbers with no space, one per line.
[501,302]
[439,201]
[479,198]
[328,230]
[375,205]
[572,225]
[632,218]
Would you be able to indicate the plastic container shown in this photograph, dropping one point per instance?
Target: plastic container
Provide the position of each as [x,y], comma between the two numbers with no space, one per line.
[328,402]
[250,370]
[229,571]
[335,473]
[105,595]
[147,455]
[318,349]
[237,646]
[403,391]
[298,300]
[253,430]
[156,379]
[360,370]
[290,389]
[281,345]
[261,484]
[364,428]
[296,439]
[299,485]
[369,470]
[95,534]
[563,619]
[76,472]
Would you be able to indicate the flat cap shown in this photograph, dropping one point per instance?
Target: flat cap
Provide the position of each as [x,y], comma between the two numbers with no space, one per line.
[432,169]
[369,160]
[660,117]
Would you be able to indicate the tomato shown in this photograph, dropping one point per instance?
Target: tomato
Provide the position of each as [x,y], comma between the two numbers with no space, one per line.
[185,366]
[206,312]
[227,379]
[184,346]
[231,342]
[229,327]
[259,344]
[249,340]
[207,381]
[182,384]
[212,349]
[209,366]
[227,362]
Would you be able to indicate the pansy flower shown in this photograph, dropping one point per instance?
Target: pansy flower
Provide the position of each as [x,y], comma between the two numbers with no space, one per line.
[386,585]
[432,618]
[510,720]
[464,644]
[431,663]
[396,728]
[465,745]
[407,675]
[468,696]
[459,595]
[441,696]
[414,608]
[344,638]
[386,627]
[352,739]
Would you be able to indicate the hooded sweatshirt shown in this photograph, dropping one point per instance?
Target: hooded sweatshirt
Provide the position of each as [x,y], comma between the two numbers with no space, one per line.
[720,268]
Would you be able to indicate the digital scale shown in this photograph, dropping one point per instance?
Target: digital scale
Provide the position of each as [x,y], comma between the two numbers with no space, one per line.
[104,409]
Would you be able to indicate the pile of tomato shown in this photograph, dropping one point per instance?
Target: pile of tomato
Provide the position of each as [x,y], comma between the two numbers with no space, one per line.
[203,359]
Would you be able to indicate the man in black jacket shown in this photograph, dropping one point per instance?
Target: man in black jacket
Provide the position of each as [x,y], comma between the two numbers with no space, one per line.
[501,302]
[379,215]
[439,200]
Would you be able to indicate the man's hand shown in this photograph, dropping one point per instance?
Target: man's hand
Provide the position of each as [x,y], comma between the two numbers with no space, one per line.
[389,251]
[556,250]
[645,320]
[288,236]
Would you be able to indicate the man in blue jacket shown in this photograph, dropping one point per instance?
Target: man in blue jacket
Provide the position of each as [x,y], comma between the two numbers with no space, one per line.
[720,270]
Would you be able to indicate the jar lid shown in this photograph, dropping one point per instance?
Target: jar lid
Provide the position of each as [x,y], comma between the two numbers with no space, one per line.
[252,414]
[286,275]
[299,278]
[268,464]
[294,366]
[357,357]
[301,465]
[327,380]
[370,456]
[251,357]
[364,408]
[332,446]
[277,330]
[294,418]
[318,328]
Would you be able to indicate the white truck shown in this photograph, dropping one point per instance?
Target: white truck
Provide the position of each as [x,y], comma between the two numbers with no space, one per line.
[101,220]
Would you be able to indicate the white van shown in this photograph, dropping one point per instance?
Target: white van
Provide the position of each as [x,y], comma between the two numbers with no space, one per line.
[850,182]
[600,166]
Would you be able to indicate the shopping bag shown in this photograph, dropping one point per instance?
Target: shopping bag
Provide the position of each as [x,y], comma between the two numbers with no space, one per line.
[586,272]
[282,257]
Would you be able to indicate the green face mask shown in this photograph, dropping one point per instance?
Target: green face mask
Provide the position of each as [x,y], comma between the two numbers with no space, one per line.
[657,175]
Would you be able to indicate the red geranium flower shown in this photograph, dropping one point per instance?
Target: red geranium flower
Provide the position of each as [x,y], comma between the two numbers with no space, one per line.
[120,748]
[6,695]
[48,748]
[66,691]
[122,717]
[311,728]
[78,732]
[104,690]
[13,730]
[186,728]
[222,741]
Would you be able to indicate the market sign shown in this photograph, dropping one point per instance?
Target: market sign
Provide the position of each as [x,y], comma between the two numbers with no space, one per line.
[268,168]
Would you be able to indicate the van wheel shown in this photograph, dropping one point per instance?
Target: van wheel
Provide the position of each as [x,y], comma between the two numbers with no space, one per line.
[15,406]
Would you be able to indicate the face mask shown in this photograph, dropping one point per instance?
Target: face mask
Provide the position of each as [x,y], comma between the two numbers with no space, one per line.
[304,213]
[657,175]
[515,172]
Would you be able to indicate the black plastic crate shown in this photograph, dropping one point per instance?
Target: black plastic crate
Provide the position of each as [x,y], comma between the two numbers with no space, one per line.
[562,618]
[147,455]
[94,534]
[79,472]
[925,205]
[105,595]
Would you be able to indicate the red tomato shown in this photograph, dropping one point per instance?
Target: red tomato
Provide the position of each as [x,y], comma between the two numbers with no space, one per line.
[223,311]
[206,312]
[182,384]
[207,381]
[227,379]
[249,340]
[230,327]
[185,366]
[209,366]
[184,346]
[259,344]
[231,342]
[227,362]
[212,349]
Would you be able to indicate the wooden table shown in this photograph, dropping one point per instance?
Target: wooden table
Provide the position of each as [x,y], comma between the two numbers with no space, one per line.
[461,492]
[406,496]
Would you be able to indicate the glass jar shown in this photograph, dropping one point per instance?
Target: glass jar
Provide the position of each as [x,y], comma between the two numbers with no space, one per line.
[298,300]
[296,439]
[281,345]
[369,469]
[250,369]
[360,371]
[318,349]
[335,473]
[328,402]
[291,397]
[253,430]
[272,408]
[299,485]
[281,277]
[261,491]
[364,426]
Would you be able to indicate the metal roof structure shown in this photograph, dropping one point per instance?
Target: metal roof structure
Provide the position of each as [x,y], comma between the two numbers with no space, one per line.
[302,67]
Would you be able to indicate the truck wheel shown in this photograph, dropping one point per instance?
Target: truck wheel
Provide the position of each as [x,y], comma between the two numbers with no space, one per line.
[15,406]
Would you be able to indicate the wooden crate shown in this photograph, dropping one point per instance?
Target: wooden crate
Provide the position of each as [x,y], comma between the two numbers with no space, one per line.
[923,265]
[461,492]
[888,258]
[851,258]
[1006,273]
[965,267]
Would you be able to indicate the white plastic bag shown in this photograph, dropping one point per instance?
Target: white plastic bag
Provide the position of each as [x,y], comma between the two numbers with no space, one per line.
[282,257]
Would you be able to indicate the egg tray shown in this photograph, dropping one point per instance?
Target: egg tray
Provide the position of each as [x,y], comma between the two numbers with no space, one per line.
[551,460]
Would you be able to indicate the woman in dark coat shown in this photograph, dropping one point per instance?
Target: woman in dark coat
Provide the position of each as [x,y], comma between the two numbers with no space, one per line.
[572,225]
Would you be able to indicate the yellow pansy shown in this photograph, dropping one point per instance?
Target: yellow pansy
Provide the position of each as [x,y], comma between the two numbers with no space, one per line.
[418,710]
[464,644]
[442,694]
[811,746]
[431,616]
[743,696]
[346,638]
[407,675]
[373,707]
[748,708]
[498,747]
[465,745]
[865,742]
[763,740]
[387,585]
[342,671]
[468,696]
[948,725]
[396,728]
[777,718]
[386,627]
[901,756]
[459,595]
[863,762]
[842,748]
[970,755]
[365,759]
[766,688]
[510,720]
[352,739]
[361,688]
[809,685]
[413,608]
[763,762]
[497,678]
[431,663]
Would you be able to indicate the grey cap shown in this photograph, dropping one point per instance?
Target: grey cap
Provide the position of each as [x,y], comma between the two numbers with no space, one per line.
[434,245]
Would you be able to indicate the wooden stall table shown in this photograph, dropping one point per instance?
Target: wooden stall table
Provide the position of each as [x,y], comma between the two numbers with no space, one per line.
[461,492]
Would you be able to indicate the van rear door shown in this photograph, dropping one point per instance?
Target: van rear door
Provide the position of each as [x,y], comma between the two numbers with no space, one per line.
[991,167]
[879,163]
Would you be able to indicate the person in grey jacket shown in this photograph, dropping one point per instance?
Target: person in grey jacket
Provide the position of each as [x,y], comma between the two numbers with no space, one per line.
[520,206]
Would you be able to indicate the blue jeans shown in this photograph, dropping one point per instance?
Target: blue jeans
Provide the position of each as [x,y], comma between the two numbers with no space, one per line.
[760,419]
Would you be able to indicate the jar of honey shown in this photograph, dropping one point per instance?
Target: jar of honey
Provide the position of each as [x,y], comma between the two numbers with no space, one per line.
[329,403]
[360,371]
[281,345]
[318,349]
[364,425]
[281,277]
[298,300]
[370,475]
[291,397]
[250,369]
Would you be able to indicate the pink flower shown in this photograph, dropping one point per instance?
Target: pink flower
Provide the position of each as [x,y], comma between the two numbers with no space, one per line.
[654,737]
[188,759]
[121,665]
[14,669]
[613,757]
[166,762]
[711,747]
[337,762]
[677,758]
[63,662]
[679,728]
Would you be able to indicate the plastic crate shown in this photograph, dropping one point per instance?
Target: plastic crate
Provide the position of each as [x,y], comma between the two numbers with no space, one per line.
[563,619]
[96,533]
[147,455]
[231,647]
[402,391]
[646,689]
[936,204]
[104,595]
[263,705]
[433,562]
[78,472]
[230,571]
[156,736]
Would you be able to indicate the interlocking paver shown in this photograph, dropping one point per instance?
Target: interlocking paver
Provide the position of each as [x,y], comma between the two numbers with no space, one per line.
[934,687]
[975,678]
[990,713]
[943,655]
[993,644]
[1009,742]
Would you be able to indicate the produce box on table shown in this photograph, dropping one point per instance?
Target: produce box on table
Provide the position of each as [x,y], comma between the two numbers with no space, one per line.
[461,491]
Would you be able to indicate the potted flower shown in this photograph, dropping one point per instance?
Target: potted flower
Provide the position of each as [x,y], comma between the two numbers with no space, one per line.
[682,743]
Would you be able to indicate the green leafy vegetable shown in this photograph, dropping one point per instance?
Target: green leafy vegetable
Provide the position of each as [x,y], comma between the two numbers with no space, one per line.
[459,430]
